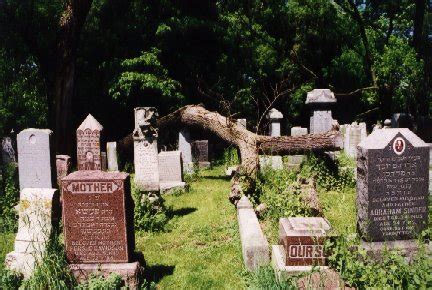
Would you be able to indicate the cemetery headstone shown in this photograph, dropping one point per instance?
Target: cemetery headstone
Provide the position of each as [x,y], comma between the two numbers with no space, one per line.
[37,211]
[294,161]
[184,145]
[320,101]
[145,149]
[35,164]
[98,224]
[170,170]
[392,185]
[274,117]
[275,162]
[104,161]
[8,151]
[63,165]
[200,153]
[112,156]
[89,144]
[354,134]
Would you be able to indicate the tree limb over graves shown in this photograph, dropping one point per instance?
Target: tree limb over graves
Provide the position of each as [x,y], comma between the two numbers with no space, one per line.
[249,143]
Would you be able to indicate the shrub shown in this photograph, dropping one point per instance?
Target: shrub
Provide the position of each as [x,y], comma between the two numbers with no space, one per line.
[53,271]
[230,157]
[150,213]
[330,175]
[113,281]
[9,199]
[9,279]
[362,271]
[281,194]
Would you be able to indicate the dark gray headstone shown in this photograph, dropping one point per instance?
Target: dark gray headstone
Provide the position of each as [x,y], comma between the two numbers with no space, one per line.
[392,185]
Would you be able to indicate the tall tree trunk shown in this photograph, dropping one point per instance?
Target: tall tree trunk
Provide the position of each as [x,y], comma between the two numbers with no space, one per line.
[420,7]
[70,27]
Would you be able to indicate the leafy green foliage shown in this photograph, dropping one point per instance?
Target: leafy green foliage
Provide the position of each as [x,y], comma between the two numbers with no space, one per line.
[143,74]
[53,271]
[9,199]
[230,157]
[149,214]
[113,281]
[9,279]
[264,278]
[364,271]
[330,175]
[280,192]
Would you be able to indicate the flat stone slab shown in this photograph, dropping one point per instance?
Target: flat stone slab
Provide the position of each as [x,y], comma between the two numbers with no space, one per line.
[129,272]
[255,247]
[167,186]
[407,248]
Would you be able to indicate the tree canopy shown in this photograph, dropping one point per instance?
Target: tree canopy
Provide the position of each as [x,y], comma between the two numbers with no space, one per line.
[60,60]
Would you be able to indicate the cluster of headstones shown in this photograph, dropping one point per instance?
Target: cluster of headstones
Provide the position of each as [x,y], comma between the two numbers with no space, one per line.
[392,204]
[96,204]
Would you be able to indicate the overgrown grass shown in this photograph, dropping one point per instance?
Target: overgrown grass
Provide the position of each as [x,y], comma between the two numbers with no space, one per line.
[202,250]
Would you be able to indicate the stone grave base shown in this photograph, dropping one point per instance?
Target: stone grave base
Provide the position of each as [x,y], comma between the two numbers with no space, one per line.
[204,164]
[23,263]
[130,272]
[407,248]
[165,187]
[321,278]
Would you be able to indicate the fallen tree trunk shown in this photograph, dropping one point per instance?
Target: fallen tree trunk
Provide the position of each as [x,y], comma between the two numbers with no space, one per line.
[249,143]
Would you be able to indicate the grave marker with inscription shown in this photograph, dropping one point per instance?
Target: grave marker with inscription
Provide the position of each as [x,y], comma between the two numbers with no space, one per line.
[35,165]
[170,170]
[89,144]
[98,217]
[392,185]
[63,165]
[200,153]
[320,101]
[145,149]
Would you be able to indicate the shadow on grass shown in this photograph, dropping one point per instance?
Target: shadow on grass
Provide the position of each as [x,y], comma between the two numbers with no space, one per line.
[155,273]
[182,211]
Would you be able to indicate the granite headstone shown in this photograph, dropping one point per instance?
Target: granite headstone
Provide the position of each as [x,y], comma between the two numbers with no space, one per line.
[184,145]
[98,217]
[392,185]
[8,151]
[89,144]
[200,153]
[320,101]
[63,165]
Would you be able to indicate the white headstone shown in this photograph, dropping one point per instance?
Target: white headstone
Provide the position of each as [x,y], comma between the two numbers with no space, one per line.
[170,170]
[112,156]
[35,166]
[34,228]
[145,149]
[295,160]
[275,117]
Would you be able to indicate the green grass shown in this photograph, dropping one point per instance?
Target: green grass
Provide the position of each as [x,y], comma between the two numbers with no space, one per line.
[202,250]
[340,209]
[6,246]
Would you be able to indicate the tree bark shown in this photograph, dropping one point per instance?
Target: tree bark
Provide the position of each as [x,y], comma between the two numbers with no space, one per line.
[70,27]
[420,7]
[249,143]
